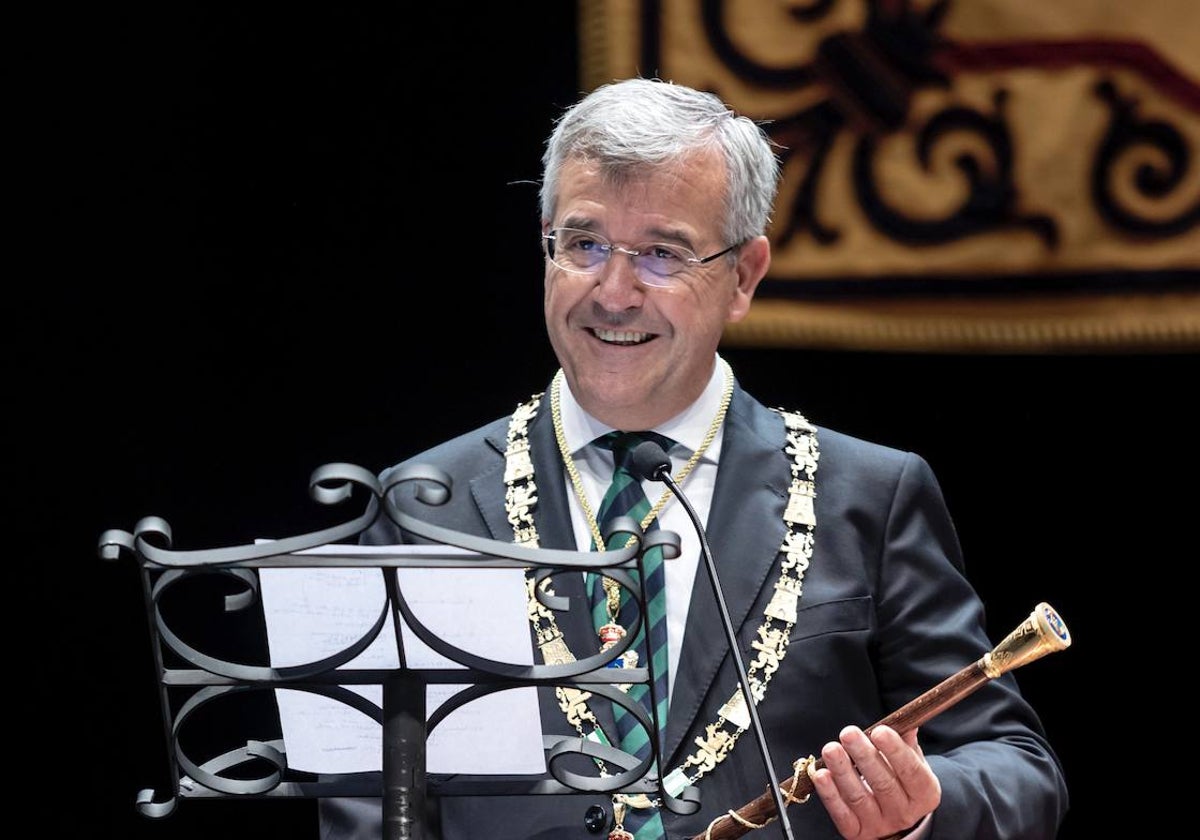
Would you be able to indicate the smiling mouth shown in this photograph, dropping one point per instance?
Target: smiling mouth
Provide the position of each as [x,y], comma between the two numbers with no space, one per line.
[622,337]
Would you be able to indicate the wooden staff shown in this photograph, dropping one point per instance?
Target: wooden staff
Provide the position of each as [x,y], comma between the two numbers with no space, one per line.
[1042,633]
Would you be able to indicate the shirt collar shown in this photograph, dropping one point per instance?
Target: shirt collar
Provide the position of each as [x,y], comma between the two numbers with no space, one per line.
[687,428]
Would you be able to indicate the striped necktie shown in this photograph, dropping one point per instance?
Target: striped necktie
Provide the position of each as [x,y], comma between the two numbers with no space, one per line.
[625,497]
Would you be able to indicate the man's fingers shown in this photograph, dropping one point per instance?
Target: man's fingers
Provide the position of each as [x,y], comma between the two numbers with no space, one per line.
[873,765]
[920,788]
[874,785]
[847,798]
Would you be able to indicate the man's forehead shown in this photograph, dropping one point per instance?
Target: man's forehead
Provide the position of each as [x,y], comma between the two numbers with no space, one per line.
[675,202]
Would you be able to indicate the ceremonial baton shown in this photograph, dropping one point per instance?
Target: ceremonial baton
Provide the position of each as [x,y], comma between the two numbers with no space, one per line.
[1042,633]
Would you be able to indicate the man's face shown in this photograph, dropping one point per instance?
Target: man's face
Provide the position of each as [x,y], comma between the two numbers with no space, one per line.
[636,355]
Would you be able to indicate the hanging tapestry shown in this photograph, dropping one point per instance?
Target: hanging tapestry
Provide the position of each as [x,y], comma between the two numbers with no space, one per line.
[959,175]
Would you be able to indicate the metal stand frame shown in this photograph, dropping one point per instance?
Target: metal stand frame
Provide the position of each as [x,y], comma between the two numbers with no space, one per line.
[190,680]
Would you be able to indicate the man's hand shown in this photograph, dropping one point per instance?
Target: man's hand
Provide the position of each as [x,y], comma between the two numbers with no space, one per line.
[875,786]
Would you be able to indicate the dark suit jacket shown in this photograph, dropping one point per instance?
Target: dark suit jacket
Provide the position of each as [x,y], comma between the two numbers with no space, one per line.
[886,613]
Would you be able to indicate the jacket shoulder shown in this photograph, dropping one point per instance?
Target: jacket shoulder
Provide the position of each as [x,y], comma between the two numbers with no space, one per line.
[467,451]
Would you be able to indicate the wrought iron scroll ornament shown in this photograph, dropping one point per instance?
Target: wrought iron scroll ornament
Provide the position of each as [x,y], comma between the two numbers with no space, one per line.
[213,678]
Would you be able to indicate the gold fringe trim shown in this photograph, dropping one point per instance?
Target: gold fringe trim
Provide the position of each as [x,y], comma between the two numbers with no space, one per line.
[1108,323]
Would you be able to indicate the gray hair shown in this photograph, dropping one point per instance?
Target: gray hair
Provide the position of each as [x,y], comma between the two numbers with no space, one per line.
[629,125]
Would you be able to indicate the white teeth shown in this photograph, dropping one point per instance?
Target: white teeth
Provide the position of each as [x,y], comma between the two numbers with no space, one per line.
[621,336]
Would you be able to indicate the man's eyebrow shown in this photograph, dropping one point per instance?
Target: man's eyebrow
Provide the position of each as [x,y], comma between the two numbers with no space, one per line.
[671,234]
[668,235]
[579,223]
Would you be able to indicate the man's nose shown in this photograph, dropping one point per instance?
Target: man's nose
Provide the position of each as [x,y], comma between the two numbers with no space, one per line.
[618,286]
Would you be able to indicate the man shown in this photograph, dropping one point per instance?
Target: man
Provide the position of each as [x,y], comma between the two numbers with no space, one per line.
[837,557]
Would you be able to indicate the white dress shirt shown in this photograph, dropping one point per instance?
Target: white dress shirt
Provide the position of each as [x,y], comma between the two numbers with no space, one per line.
[595,465]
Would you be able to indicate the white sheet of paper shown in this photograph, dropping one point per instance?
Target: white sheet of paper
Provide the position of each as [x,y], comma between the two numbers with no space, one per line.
[312,613]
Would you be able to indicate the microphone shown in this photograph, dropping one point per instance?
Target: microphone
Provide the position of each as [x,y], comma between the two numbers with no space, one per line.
[650,461]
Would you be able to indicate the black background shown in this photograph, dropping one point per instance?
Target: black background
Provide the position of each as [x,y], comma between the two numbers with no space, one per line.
[247,236]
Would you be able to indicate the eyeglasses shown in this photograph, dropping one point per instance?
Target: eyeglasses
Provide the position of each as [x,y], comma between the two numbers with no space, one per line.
[656,263]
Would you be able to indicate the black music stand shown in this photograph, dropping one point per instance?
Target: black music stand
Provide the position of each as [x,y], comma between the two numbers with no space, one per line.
[191,680]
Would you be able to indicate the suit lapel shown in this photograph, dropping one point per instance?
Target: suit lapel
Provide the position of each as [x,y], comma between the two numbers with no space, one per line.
[552,515]
[745,529]
[754,476]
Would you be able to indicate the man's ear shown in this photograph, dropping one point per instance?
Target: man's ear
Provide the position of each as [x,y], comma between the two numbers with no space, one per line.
[754,258]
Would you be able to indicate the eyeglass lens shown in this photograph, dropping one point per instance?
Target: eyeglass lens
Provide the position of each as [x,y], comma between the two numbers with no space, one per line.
[587,252]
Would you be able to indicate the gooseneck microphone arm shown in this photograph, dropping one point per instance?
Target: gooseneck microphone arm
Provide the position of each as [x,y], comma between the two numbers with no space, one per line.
[650,461]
